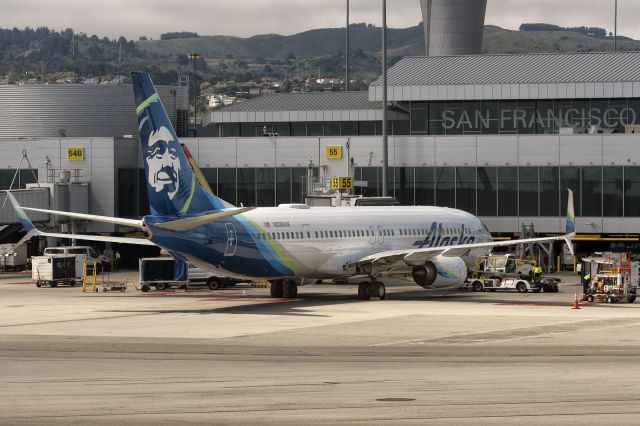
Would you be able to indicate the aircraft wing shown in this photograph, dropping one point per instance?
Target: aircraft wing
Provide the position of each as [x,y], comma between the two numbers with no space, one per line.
[419,256]
[33,231]
[136,223]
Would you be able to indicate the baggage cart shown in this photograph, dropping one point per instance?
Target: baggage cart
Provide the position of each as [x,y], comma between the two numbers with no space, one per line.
[13,258]
[162,273]
[53,270]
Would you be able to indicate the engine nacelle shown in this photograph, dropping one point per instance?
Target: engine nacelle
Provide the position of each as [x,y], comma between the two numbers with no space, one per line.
[425,275]
[440,272]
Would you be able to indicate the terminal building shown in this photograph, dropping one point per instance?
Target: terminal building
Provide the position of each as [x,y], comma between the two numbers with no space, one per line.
[500,136]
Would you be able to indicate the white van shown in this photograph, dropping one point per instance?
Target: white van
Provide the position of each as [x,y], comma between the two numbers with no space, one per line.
[87,251]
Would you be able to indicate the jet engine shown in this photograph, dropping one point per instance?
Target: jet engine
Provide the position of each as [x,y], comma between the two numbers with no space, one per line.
[440,272]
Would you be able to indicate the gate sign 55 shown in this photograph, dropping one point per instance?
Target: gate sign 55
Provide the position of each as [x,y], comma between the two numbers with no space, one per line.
[341,182]
[75,154]
[334,152]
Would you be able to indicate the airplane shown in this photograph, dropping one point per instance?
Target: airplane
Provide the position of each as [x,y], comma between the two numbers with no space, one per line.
[291,244]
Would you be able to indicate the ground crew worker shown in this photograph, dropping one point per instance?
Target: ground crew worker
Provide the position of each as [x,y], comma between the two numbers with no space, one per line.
[117,257]
[537,271]
[585,283]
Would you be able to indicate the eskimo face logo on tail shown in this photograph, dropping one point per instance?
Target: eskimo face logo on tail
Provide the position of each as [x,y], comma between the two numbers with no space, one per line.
[163,162]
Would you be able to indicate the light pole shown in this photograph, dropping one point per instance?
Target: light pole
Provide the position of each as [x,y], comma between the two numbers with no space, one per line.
[615,28]
[346,54]
[194,56]
[385,128]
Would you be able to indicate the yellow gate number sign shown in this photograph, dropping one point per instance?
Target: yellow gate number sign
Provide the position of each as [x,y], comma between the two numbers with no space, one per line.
[334,152]
[341,182]
[75,154]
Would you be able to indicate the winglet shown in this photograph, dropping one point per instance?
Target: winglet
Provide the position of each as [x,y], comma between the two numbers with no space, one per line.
[571,217]
[27,225]
[570,230]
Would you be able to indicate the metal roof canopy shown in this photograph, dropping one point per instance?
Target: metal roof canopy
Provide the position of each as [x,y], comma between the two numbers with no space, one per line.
[513,77]
[301,107]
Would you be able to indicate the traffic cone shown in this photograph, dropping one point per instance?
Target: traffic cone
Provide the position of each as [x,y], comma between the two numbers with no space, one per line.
[576,304]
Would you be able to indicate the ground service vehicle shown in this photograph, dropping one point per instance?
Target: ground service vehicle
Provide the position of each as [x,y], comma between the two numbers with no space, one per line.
[13,258]
[88,252]
[505,283]
[55,269]
[213,281]
[504,264]
[162,273]
[613,278]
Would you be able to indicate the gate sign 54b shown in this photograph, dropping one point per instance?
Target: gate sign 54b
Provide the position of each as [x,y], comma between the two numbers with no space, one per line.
[341,182]
[75,153]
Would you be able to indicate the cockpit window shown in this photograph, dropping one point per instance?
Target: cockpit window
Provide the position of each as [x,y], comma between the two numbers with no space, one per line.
[484,228]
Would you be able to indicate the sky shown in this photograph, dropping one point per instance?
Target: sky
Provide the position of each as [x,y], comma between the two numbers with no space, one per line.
[244,18]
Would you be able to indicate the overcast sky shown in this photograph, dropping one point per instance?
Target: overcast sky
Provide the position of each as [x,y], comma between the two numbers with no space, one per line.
[134,18]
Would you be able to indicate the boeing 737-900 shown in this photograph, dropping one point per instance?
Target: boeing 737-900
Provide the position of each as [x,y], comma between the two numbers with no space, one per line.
[290,244]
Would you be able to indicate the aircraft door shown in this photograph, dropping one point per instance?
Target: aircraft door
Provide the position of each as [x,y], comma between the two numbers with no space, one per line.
[379,235]
[232,239]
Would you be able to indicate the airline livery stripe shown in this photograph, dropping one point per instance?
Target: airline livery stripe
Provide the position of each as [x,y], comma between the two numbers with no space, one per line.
[193,190]
[272,245]
[147,102]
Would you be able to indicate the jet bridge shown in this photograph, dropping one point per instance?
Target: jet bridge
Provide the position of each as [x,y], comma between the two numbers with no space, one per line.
[34,197]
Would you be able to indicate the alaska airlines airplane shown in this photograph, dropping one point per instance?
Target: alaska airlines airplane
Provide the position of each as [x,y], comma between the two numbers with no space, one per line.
[290,244]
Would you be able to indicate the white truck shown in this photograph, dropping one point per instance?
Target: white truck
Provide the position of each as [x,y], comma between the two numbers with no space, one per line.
[13,258]
[505,283]
[56,269]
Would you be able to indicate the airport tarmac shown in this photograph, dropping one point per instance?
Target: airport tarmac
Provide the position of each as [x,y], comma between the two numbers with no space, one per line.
[236,356]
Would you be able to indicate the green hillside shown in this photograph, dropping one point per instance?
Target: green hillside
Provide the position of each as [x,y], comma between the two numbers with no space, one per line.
[31,54]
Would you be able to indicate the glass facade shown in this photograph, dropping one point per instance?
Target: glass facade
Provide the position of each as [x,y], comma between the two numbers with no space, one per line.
[468,118]
[610,191]
[24,177]
[521,117]
[312,128]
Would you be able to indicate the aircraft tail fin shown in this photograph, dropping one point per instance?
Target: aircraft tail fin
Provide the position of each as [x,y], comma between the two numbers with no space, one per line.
[171,183]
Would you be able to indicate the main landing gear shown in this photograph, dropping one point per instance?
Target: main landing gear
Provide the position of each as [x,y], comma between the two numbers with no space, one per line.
[287,289]
[373,288]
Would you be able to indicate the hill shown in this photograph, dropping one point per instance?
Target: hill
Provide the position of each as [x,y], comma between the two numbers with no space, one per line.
[31,54]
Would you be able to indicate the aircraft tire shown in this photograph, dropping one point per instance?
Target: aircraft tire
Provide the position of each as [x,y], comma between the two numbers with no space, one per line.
[290,289]
[213,283]
[364,290]
[277,289]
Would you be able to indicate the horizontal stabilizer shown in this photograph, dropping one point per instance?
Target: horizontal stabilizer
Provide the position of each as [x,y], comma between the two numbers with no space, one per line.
[197,221]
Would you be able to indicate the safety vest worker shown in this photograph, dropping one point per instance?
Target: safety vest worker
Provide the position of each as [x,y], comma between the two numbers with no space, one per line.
[537,270]
[585,282]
